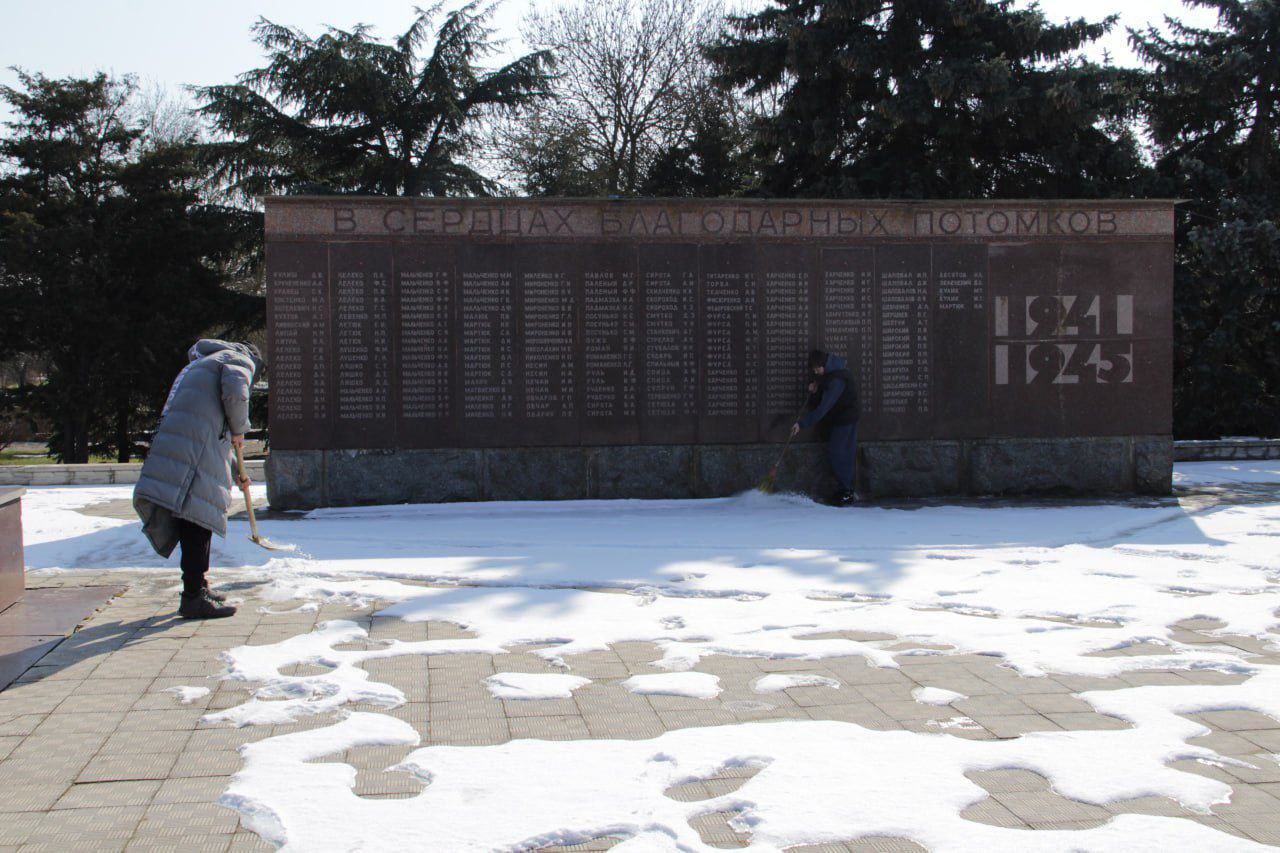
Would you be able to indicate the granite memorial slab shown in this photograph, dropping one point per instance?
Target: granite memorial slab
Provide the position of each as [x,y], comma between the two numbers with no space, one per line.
[599,326]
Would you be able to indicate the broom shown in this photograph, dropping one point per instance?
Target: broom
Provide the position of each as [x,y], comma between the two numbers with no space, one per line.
[770,481]
[248,506]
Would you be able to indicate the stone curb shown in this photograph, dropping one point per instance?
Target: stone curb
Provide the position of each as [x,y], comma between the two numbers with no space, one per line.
[95,474]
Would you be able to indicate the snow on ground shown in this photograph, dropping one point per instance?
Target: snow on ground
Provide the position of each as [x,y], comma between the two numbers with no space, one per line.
[694,685]
[1046,588]
[187,695]
[533,685]
[785,681]
[935,695]
[1244,471]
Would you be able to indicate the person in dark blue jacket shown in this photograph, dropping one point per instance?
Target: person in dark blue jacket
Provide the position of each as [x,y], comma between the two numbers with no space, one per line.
[833,403]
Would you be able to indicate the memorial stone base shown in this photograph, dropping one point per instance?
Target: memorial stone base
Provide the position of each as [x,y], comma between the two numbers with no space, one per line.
[305,479]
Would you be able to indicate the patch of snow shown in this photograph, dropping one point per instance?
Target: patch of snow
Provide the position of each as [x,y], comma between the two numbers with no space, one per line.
[935,695]
[962,723]
[695,685]
[187,695]
[1220,473]
[534,685]
[818,782]
[779,681]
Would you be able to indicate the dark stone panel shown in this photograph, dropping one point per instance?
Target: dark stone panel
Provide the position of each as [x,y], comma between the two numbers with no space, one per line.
[1153,465]
[536,473]
[295,479]
[548,345]
[729,336]
[1067,466]
[961,351]
[362,323]
[487,295]
[905,341]
[403,476]
[916,468]
[787,277]
[299,345]
[667,279]
[847,323]
[609,343]
[642,472]
[1024,340]
[427,346]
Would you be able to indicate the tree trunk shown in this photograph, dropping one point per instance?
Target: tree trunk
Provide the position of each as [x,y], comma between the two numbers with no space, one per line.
[123,445]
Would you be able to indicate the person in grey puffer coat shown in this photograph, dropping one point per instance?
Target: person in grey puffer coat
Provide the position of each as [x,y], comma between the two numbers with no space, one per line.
[184,490]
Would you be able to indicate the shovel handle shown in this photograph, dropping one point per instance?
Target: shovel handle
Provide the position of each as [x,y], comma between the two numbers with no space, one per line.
[248,501]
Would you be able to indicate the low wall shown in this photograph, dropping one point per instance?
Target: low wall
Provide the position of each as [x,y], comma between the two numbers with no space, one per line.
[12,570]
[304,479]
[95,474]
[1226,449]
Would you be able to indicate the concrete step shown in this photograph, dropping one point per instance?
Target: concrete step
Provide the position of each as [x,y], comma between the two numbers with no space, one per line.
[93,474]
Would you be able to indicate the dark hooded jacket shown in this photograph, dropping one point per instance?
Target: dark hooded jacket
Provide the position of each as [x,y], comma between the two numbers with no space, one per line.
[835,402]
[187,472]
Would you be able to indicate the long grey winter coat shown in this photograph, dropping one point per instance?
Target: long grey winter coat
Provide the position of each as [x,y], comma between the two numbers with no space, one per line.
[187,473]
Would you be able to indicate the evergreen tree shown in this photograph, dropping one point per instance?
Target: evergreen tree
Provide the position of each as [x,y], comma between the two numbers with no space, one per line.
[713,160]
[109,265]
[931,98]
[1214,113]
[345,112]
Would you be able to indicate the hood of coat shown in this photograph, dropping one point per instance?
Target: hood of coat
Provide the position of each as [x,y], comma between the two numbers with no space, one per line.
[208,346]
[835,362]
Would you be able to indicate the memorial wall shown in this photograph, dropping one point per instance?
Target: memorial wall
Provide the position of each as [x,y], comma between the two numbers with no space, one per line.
[605,327]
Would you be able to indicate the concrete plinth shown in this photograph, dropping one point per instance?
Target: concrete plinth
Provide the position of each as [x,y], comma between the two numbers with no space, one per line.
[304,479]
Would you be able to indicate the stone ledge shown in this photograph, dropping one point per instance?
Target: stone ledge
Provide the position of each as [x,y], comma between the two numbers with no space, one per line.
[305,479]
[1238,449]
[93,474]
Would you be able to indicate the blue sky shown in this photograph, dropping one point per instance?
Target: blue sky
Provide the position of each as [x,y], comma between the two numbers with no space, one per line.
[173,42]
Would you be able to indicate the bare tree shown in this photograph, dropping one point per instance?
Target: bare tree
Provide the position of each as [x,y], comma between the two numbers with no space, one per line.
[630,74]
[166,116]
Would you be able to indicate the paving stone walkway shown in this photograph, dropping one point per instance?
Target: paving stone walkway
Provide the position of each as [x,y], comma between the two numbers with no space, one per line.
[95,755]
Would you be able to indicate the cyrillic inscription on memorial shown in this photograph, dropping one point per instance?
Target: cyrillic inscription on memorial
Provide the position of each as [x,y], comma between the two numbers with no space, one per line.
[432,323]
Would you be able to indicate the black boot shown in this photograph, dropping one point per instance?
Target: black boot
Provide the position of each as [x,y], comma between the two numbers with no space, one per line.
[844,497]
[201,606]
[210,593]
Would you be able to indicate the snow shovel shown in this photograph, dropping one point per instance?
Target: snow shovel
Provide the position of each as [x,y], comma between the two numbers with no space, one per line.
[248,506]
[770,480]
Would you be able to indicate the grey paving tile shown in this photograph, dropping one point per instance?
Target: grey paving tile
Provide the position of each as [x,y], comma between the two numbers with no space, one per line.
[549,728]
[194,819]
[197,789]
[206,763]
[1043,807]
[691,719]
[17,828]
[1015,725]
[990,811]
[469,732]
[30,797]
[115,767]
[100,827]
[1092,722]
[100,794]
[1235,721]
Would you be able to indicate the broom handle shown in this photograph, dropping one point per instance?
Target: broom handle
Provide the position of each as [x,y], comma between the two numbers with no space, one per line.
[248,503]
[787,443]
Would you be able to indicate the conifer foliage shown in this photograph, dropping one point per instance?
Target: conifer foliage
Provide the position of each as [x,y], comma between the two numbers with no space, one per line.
[1213,106]
[345,112]
[930,98]
[110,265]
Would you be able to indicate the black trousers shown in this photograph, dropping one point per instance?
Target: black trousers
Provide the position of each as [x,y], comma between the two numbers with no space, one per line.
[194,541]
